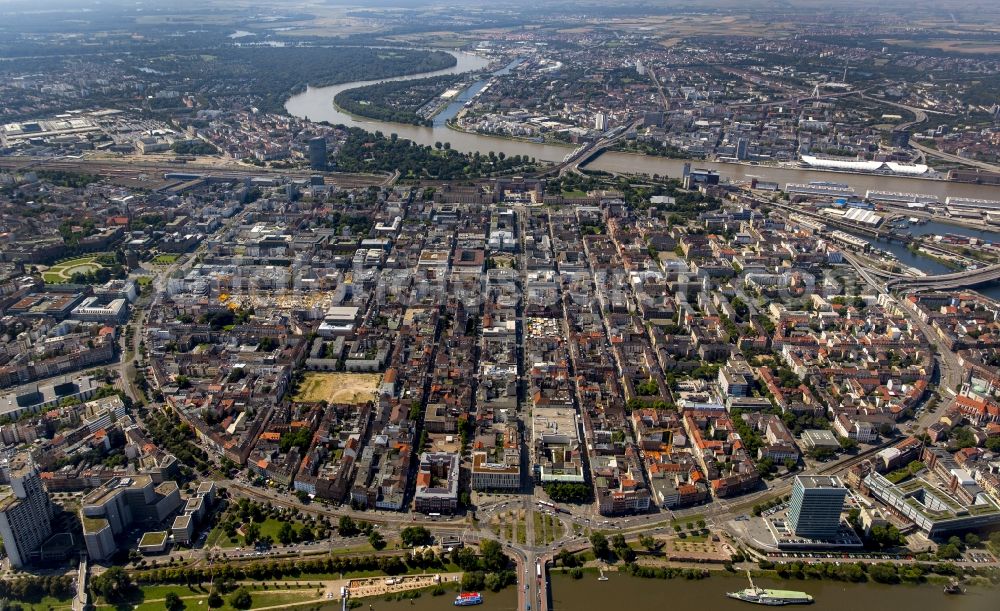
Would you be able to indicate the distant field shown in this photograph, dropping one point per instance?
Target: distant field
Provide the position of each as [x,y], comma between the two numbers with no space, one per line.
[356,388]
[951,46]
[672,27]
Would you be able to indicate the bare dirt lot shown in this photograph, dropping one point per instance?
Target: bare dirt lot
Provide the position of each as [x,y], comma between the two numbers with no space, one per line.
[356,388]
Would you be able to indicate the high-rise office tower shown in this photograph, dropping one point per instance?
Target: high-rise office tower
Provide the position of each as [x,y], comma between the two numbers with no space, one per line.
[816,505]
[317,153]
[742,149]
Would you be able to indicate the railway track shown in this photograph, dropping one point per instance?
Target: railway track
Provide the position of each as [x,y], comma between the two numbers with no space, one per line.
[154,171]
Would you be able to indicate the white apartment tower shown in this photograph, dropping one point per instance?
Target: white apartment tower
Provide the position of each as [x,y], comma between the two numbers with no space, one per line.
[25,510]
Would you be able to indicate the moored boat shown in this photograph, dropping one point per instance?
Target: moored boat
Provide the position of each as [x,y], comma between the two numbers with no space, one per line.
[466,599]
[954,588]
[767,596]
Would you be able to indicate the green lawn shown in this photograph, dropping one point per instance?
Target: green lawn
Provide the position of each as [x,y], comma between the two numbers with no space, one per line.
[151,597]
[62,271]
[269,526]
[697,538]
[214,536]
[217,536]
[447,568]
[165,259]
[364,547]
[160,591]
[682,522]
[46,603]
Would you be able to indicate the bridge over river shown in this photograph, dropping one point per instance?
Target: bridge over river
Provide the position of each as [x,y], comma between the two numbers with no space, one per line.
[958,280]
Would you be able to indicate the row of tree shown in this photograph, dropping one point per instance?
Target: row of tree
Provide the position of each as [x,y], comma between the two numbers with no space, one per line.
[882,572]
[274,569]
[35,588]
[175,436]
[491,568]
[366,152]
[568,492]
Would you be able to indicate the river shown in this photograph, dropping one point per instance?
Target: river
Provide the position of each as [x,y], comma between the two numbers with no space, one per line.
[925,264]
[452,109]
[639,594]
[709,595]
[931,266]
[316,103]
[504,600]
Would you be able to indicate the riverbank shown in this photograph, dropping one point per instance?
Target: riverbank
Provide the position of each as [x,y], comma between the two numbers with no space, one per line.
[455,128]
[367,587]
[429,599]
[448,584]
[636,164]
[659,558]
[923,252]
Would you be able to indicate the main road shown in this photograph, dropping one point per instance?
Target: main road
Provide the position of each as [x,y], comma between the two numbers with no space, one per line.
[131,346]
[948,364]
[919,116]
